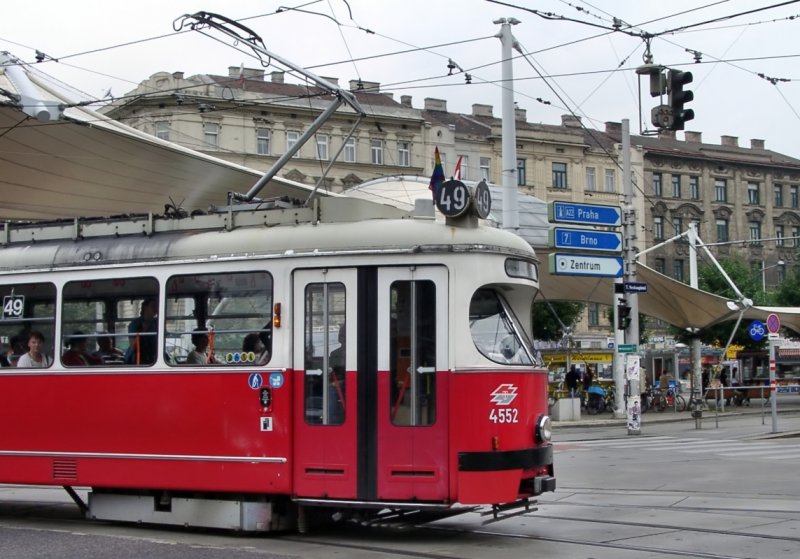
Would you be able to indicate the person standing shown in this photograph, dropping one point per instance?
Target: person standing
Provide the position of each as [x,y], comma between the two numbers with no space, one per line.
[571,381]
[144,340]
[35,357]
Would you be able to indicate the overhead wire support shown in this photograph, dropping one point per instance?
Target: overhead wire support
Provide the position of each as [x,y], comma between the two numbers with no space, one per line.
[246,36]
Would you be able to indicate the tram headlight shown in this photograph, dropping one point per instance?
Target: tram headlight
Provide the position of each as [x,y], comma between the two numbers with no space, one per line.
[544,430]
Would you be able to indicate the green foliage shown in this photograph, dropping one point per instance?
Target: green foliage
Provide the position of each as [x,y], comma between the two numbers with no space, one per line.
[788,292]
[545,325]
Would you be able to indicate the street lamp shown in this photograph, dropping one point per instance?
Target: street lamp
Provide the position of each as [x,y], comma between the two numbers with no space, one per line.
[764,269]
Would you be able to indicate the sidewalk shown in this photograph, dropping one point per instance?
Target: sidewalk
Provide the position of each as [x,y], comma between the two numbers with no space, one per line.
[787,404]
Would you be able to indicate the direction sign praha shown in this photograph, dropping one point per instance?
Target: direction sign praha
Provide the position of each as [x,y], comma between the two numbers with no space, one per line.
[584,214]
[585,265]
[585,239]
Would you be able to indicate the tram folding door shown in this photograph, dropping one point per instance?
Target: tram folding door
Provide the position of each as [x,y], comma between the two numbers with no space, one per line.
[324,354]
[412,388]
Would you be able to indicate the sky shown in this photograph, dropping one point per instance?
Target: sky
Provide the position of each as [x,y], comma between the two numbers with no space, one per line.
[574,62]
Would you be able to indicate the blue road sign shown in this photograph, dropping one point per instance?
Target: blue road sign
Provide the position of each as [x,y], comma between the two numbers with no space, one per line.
[634,287]
[584,214]
[757,330]
[585,239]
[585,265]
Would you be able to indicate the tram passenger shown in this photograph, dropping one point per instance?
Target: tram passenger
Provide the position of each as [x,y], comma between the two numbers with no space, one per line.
[77,355]
[144,344]
[35,357]
[201,354]
[106,350]
[253,343]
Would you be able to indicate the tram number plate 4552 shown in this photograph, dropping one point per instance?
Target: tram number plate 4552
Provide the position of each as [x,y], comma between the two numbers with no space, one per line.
[505,415]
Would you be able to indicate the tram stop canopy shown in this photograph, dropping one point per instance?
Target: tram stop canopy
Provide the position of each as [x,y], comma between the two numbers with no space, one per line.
[59,159]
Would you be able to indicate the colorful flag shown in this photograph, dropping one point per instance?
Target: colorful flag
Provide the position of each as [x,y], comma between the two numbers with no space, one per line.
[437,178]
[457,174]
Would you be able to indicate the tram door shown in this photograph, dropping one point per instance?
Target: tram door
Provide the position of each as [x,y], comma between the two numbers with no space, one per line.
[412,398]
[325,405]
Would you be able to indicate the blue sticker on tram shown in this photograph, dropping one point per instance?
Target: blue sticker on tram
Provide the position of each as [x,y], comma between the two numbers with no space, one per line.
[255,381]
[276,380]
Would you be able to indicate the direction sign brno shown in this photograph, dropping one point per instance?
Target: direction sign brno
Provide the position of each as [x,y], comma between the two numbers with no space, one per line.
[585,239]
[773,323]
[585,265]
[584,214]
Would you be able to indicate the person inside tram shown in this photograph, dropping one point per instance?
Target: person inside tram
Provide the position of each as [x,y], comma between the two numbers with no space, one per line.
[77,355]
[144,341]
[201,355]
[35,356]
[253,343]
[107,351]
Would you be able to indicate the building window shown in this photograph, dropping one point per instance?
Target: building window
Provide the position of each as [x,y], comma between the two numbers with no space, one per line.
[661,265]
[486,168]
[262,141]
[694,187]
[162,130]
[755,232]
[404,154]
[350,150]
[677,224]
[464,168]
[753,197]
[676,186]
[591,179]
[793,196]
[521,179]
[720,190]
[211,134]
[610,182]
[322,147]
[657,185]
[376,146]
[677,270]
[559,175]
[291,140]
[796,237]
[778,195]
[658,228]
[780,272]
[594,314]
[722,230]
[779,235]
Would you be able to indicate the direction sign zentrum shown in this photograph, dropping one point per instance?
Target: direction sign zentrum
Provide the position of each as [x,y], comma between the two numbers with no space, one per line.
[585,265]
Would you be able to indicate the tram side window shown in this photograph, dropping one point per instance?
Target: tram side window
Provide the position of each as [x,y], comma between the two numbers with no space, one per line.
[109,322]
[412,348]
[219,319]
[27,308]
[495,330]
[324,344]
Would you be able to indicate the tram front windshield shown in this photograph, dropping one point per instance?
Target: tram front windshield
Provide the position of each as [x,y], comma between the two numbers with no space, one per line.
[496,331]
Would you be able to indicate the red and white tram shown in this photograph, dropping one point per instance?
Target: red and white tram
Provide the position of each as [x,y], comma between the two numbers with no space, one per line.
[350,365]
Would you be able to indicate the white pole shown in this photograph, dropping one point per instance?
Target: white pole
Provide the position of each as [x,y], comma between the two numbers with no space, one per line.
[509,143]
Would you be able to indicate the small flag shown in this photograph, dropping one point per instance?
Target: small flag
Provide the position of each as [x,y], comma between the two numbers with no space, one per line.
[437,178]
[457,174]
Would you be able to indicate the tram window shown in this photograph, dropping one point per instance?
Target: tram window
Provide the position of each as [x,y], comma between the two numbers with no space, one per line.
[412,350]
[521,269]
[496,332]
[26,308]
[324,345]
[232,311]
[98,318]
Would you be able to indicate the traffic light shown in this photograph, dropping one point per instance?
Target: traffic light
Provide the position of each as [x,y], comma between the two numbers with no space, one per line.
[678,98]
[623,315]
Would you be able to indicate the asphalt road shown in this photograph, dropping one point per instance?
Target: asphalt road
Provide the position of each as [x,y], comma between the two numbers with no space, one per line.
[673,491]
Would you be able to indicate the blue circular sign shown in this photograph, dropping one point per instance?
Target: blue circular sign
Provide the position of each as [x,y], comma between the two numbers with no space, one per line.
[276,380]
[255,381]
[757,330]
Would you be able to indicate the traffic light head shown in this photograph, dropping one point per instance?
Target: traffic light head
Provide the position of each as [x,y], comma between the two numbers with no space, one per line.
[623,315]
[678,98]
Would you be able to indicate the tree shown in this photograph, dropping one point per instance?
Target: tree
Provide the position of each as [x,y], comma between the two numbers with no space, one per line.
[546,326]
[788,292]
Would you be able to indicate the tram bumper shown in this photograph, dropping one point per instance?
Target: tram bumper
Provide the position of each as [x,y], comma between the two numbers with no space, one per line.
[504,476]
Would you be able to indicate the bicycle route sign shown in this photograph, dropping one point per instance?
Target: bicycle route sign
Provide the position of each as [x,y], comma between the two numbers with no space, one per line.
[757,330]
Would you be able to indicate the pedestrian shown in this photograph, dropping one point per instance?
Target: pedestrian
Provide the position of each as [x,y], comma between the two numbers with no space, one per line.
[587,382]
[571,381]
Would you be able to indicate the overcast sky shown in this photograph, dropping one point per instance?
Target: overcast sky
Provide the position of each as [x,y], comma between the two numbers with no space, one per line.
[587,68]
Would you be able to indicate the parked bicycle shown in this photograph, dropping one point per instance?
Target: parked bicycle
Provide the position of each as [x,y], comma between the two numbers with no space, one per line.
[663,400]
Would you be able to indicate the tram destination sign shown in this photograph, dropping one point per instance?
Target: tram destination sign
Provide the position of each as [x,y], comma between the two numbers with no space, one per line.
[585,265]
[585,239]
[584,214]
